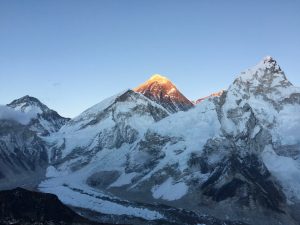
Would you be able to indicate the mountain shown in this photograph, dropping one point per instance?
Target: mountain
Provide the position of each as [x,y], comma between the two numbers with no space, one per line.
[117,121]
[216,94]
[23,156]
[42,119]
[236,153]
[130,158]
[23,151]
[20,206]
[165,93]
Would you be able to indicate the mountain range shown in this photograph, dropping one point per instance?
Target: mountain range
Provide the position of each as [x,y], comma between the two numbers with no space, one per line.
[149,155]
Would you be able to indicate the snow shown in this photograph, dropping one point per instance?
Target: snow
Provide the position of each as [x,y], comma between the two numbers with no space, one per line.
[169,190]
[94,110]
[52,172]
[90,200]
[253,74]
[256,130]
[191,129]
[71,188]
[124,179]
[287,130]
[196,126]
[81,133]
[286,170]
[30,109]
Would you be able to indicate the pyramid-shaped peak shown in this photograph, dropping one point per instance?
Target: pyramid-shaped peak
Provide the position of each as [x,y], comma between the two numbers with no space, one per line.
[157,81]
[161,90]
[265,75]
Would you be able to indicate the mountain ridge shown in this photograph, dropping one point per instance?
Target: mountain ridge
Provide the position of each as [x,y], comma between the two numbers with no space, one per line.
[237,149]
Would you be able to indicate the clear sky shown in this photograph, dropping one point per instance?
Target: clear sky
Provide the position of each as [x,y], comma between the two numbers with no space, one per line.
[72,54]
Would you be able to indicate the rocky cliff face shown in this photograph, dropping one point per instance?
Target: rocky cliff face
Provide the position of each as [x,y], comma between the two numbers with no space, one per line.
[164,92]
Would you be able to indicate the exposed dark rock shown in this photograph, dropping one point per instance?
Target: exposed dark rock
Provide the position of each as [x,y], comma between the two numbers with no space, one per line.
[23,207]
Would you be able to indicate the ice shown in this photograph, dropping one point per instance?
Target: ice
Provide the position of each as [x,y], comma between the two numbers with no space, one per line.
[90,200]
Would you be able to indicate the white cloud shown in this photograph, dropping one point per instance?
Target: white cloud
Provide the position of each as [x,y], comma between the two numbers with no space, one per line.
[7,113]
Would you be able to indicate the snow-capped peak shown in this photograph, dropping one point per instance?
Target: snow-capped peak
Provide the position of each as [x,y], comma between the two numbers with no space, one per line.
[267,74]
[269,62]
[28,104]
[38,116]
[161,90]
[268,59]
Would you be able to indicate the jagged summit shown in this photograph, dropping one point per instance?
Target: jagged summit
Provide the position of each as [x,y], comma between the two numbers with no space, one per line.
[265,75]
[268,62]
[161,90]
[268,59]
[27,101]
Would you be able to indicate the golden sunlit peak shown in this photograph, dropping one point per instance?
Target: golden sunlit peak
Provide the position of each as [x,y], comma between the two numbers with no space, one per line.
[159,78]
[158,81]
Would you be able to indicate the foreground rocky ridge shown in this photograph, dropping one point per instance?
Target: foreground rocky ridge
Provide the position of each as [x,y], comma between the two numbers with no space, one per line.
[233,156]
[20,206]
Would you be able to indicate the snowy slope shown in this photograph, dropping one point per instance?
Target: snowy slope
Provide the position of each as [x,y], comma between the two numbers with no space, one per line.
[117,121]
[97,141]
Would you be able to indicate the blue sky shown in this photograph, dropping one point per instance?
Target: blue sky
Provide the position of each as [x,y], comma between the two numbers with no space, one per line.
[73,54]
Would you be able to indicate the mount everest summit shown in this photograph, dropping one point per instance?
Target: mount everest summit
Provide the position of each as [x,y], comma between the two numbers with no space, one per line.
[151,156]
[159,89]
